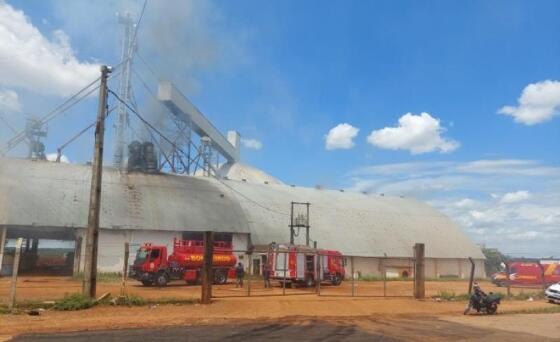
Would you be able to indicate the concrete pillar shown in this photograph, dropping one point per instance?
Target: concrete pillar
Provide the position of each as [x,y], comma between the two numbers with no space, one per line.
[2,245]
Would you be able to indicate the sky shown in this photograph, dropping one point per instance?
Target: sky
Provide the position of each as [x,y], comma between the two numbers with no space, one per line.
[454,103]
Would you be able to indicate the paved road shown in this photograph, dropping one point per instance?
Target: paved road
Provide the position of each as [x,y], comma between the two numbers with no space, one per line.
[304,329]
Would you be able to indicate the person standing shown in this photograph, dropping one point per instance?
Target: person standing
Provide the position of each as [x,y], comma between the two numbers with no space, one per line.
[266,275]
[239,275]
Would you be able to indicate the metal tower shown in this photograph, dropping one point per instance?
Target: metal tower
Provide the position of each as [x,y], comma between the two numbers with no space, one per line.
[122,120]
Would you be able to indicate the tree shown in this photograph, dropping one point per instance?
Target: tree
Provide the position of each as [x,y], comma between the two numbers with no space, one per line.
[494,260]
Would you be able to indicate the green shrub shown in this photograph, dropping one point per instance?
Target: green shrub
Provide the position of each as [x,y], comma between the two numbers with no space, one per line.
[73,302]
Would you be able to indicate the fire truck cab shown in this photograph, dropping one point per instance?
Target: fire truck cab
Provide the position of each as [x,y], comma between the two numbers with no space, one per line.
[303,265]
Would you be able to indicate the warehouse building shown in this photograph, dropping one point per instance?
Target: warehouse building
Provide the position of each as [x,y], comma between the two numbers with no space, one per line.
[43,200]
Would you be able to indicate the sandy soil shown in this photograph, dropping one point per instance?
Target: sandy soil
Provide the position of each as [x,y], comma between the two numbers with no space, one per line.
[232,305]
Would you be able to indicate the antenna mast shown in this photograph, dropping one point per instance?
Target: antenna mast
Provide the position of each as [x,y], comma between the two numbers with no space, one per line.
[121,124]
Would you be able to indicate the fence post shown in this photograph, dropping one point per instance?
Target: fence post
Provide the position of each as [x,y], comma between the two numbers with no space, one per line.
[15,269]
[419,274]
[2,245]
[508,281]
[77,256]
[471,279]
[249,274]
[352,271]
[318,273]
[125,268]
[384,275]
[285,270]
[207,279]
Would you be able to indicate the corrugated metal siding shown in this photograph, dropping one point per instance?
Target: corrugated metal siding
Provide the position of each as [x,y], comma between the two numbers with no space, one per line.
[57,195]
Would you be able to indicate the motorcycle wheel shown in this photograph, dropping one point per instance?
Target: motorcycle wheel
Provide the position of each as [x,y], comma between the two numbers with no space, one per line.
[467,309]
[492,309]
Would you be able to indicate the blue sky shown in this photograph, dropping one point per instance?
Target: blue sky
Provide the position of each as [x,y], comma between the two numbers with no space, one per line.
[287,72]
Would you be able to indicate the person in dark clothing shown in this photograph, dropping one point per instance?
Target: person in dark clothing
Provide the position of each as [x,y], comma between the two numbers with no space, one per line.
[239,274]
[266,275]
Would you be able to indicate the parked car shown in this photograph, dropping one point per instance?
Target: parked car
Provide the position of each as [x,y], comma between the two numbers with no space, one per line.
[553,293]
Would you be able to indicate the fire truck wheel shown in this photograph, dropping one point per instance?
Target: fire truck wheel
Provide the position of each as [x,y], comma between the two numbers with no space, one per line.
[336,280]
[162,279]
[220,277]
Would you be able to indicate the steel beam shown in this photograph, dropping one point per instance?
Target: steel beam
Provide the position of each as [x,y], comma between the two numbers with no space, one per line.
[181,107]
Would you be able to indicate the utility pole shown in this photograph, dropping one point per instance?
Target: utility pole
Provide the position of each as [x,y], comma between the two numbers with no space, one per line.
[207,271]
[90,268]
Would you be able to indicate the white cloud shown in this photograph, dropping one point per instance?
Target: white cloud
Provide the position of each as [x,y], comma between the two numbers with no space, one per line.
[518,196]
[340,137]
[465,203]
[52,157]
[538,103]
[33,62]
[9,101]
[477,195]
[252,143]
[415,133]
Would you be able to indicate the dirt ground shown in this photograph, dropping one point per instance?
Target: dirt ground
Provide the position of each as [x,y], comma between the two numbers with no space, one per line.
[373,328]
[39,288]
[266,306]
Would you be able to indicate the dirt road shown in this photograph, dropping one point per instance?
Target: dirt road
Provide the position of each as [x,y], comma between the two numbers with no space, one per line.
[396,328]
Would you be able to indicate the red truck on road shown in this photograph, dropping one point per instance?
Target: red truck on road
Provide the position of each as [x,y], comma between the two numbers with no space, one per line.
[152,266]
[305,266]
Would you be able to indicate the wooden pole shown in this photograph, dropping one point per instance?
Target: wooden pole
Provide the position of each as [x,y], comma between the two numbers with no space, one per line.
[419,272]
[89,285]
[207,274]
[15,269]
[125,268]
[2,245]
[77,256]
[508,281]
[471,278]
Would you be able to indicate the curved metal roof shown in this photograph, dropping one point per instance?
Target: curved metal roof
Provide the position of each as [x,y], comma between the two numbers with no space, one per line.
[57,195]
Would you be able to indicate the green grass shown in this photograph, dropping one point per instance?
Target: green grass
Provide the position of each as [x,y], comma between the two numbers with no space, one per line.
[544,310]
[74,302]
[451,296]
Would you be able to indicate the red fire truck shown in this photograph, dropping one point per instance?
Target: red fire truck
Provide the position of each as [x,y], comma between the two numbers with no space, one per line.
[153,266]
[302,265]
[529,273]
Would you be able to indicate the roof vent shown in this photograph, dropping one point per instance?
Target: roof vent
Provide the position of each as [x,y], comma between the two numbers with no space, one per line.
[265,182]
[244,180]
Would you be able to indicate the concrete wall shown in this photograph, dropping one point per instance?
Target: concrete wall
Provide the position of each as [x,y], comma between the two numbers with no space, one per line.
[435,268]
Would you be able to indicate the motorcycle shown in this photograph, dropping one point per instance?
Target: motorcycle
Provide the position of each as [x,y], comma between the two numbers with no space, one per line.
[487,304]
